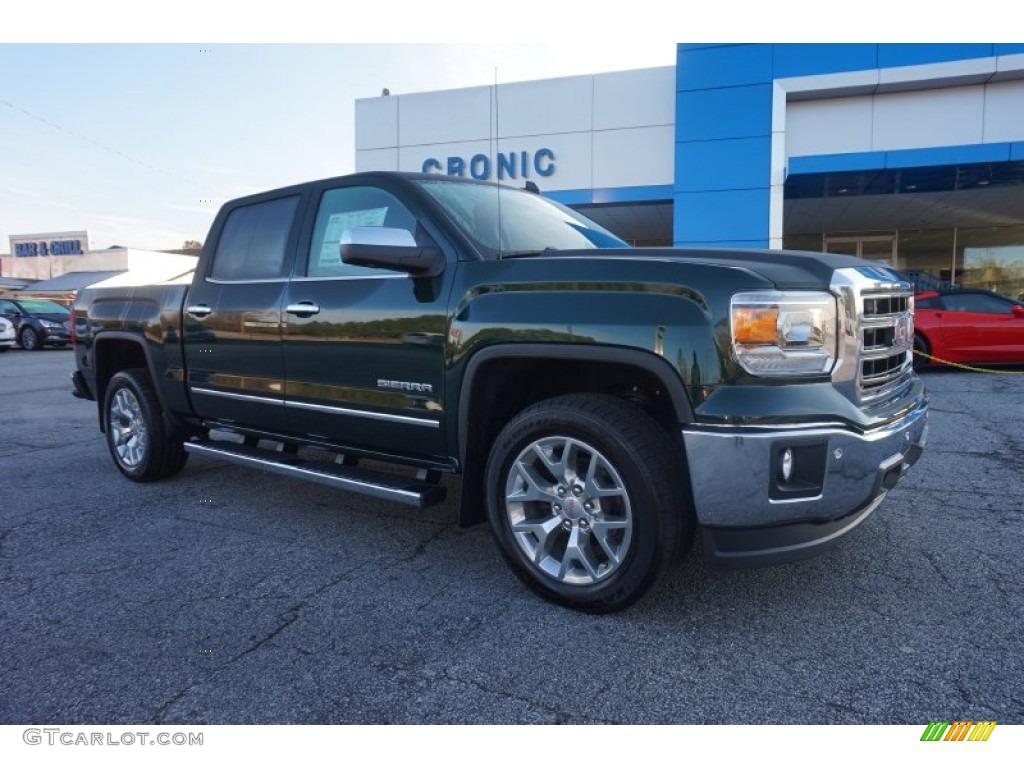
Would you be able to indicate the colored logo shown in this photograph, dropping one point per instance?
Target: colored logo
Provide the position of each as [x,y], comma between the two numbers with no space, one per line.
[960,730]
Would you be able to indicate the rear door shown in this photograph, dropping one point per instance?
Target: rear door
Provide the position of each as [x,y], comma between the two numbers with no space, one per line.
[364,348]
[232,316]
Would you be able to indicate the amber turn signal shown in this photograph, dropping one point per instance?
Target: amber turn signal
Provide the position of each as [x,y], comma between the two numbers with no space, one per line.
[755,325]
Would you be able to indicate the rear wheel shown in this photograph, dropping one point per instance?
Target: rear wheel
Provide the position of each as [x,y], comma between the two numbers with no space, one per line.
[587,501]
[29,339]
[921,348]
[142,443]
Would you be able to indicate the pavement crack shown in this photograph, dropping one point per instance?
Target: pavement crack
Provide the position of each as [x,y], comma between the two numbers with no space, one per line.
[285,620]
[421,548]
[158,718]
[933,562]
[558,716]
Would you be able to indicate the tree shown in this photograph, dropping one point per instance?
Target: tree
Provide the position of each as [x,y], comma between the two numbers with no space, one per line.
[192,245]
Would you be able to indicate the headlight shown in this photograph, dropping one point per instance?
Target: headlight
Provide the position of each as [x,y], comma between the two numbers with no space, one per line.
[784,333]
[50,324]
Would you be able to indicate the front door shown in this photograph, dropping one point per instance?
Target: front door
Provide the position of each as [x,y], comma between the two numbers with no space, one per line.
[364,348]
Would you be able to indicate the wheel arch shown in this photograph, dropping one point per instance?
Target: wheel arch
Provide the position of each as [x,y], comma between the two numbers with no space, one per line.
[503,379]
[115,351]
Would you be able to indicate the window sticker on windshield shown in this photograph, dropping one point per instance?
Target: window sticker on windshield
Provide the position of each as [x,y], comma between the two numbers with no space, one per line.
[330,256]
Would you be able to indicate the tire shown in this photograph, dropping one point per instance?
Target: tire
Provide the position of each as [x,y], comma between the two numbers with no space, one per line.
[921,345]
[600,544]
[144,446]
[3,349]
[29,339]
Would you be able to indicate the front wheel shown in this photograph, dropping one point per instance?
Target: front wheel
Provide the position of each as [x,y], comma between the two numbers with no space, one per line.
[141,442]
[587,500]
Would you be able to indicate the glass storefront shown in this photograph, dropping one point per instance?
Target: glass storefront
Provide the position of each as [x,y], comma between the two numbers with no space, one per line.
[986,257]
[992,258]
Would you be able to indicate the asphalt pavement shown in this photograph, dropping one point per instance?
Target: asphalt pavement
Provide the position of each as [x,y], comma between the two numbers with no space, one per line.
[226,595]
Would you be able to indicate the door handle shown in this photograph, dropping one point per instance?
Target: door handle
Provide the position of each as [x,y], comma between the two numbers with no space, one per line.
[303,309]
[198,310]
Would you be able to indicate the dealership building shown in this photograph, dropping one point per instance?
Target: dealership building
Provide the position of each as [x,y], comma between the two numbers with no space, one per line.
[909,154]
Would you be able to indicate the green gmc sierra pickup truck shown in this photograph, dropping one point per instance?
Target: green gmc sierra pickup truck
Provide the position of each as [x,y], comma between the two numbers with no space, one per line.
[601,403]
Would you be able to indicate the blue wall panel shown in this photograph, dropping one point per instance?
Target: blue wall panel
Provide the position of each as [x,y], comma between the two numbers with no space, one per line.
[724,113]
[850,161]
[727,244]
[970,153]
[724,67]
[798,59]
[723,127]
[598,196]
[660,192]
[907,54]
[698,46]
[571,196]
[964,154]
[709,217]
[726,164]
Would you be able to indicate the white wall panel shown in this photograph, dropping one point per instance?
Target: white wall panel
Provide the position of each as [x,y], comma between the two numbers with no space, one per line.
[377,159]
[634,157]
[940,118]
[1004,111]
[906,120]
[376,123]
[543,107]
[411,158]
[432,118]
[572,158]
[636,98]
[828,126]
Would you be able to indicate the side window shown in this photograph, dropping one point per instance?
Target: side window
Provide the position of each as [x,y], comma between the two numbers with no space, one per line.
[8,306]
[345,208]
[930,303]
[976,302]
[252,243]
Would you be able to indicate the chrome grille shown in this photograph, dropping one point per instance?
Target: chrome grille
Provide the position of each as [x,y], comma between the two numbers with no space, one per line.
[886,340]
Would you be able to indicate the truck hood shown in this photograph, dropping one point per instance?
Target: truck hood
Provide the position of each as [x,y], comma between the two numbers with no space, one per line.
[786,269]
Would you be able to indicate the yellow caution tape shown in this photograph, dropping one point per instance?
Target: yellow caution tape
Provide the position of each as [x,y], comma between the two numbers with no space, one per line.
[965,367]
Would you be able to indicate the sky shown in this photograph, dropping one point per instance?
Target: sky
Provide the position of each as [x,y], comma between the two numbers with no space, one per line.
[141,144]
[110,122]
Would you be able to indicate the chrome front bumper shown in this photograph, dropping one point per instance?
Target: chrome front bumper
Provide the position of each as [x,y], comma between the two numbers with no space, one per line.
[751,517]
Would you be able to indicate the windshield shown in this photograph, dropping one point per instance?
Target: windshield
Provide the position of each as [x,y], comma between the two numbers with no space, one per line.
[529,223]
[42,307]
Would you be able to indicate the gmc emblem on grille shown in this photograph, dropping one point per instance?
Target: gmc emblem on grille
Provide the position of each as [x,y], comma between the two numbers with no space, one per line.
[903,331]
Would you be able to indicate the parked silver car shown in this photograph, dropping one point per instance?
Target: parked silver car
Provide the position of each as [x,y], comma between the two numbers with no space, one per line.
[7,337]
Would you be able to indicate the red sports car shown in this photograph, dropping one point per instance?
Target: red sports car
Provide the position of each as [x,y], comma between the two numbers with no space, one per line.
[968,326]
